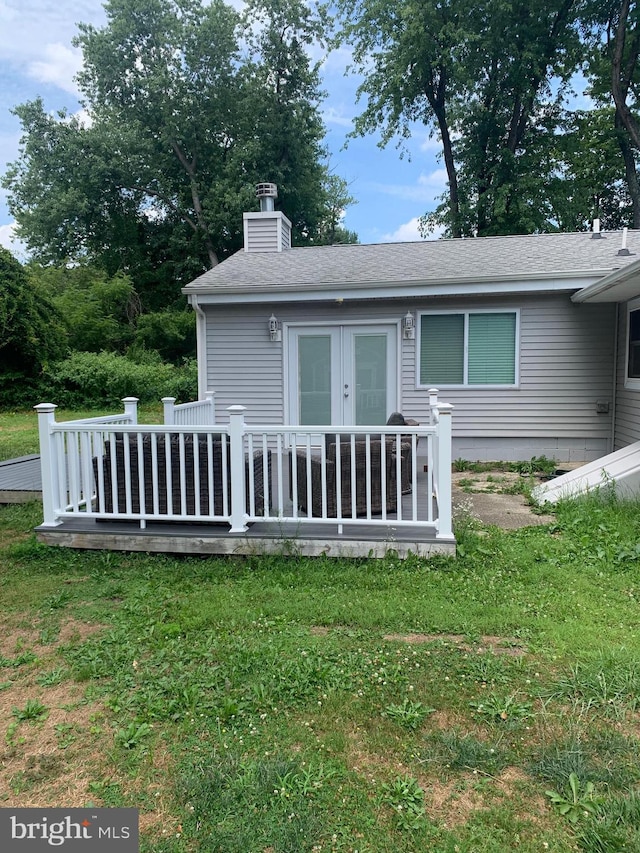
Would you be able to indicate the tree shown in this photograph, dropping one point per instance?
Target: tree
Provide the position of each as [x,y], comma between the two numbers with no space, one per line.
[31,333]
[98,311]
[181,127]
[612,34]
[478,75]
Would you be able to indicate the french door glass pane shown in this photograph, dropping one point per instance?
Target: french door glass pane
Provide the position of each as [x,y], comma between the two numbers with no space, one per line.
[370,377]
[314,367]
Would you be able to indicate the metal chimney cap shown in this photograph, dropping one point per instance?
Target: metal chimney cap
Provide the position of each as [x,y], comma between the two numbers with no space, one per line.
[266,190]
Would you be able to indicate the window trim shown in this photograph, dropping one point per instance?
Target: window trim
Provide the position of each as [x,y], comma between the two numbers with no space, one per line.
[631,382]
[465,384]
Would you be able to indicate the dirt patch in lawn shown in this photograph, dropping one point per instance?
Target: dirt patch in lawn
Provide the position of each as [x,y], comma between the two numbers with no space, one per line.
[52,738]
[487,643]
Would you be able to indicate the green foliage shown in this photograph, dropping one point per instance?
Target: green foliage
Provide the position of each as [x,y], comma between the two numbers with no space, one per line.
[32,335]
[406,798]
[478,76]
[172,334]
[33,710]
[408,714]
[155,186]
[105,378]
[98,311]
[576,802]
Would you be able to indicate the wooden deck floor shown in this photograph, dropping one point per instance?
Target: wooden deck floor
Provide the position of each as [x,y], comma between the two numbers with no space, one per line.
[20,480]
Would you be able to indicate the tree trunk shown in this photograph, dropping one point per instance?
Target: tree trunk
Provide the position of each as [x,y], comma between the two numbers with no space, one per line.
[620,78]
[631,173]
[189,167]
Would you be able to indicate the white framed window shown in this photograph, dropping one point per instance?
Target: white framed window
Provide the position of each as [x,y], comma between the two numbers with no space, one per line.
[632,371]
[468,348]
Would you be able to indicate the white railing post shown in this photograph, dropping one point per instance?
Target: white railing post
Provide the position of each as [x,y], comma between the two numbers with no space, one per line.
[443,450]
[209,396]
[236,454]
[169,413]
[48,466]
[433,403]
[131,408]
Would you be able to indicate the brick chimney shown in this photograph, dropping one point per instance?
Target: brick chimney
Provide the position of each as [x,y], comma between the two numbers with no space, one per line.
[269,230]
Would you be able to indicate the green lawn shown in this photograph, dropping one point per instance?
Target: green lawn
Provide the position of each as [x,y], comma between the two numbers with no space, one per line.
[262,705]
[19,430]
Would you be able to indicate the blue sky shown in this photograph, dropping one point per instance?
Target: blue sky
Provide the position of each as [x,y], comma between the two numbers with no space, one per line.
[37,59]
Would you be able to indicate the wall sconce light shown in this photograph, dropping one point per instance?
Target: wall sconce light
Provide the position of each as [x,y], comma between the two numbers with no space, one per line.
[275,332]
[408,327]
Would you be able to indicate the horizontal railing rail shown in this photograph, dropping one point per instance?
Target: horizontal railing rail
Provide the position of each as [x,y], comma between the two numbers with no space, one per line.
[239,474]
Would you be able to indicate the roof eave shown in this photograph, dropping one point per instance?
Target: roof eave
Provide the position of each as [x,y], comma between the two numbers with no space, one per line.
[614,287]
[571,280]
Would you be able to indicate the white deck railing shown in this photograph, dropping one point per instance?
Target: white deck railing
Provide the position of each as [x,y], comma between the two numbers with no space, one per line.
[238,473]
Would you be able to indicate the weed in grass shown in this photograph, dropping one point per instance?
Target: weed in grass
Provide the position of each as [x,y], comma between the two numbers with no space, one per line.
[19,660]
[408,714]
[33,710]
[576,800]
[503,709]
[56,601]
[406,798]
[49,634]
[65,732]
[53,677]
[132,735]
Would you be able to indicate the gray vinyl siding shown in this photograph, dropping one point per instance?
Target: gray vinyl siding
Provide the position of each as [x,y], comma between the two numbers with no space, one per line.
[627,415]
[262,235]
[565,368]
[243,366]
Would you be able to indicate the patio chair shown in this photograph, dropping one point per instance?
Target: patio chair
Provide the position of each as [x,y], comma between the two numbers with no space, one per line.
[398,419]
[169,476]
[362,463]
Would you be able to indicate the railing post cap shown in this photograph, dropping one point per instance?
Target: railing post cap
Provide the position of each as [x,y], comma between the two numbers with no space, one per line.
[130,400]
[433,391]
[42,408]
[167,399]
[236,410]
[445,408]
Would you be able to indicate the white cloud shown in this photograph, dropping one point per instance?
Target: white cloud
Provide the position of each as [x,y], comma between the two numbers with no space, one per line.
[409,232]
[59,66]
[406,233]
[335,115]
[426,190]
[11,242]
[431,145]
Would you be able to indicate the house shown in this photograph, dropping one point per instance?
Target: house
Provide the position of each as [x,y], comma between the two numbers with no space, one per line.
[521,334]
[533,342]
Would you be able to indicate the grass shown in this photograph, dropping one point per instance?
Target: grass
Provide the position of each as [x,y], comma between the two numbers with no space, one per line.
[332,706]
[19,430]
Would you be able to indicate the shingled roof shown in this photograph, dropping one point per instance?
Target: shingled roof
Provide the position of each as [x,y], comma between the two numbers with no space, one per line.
[552,256]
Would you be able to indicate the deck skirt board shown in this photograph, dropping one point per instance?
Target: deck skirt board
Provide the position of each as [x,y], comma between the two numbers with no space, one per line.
[261,538]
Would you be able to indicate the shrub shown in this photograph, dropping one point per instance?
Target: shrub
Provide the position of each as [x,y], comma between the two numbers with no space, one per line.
[105,378]
[31,334]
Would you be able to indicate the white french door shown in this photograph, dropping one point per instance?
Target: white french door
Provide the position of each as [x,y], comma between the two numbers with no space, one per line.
[342,375]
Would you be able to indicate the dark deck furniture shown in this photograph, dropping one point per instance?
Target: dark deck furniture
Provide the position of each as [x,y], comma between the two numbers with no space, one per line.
[363,462]
[168,476]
